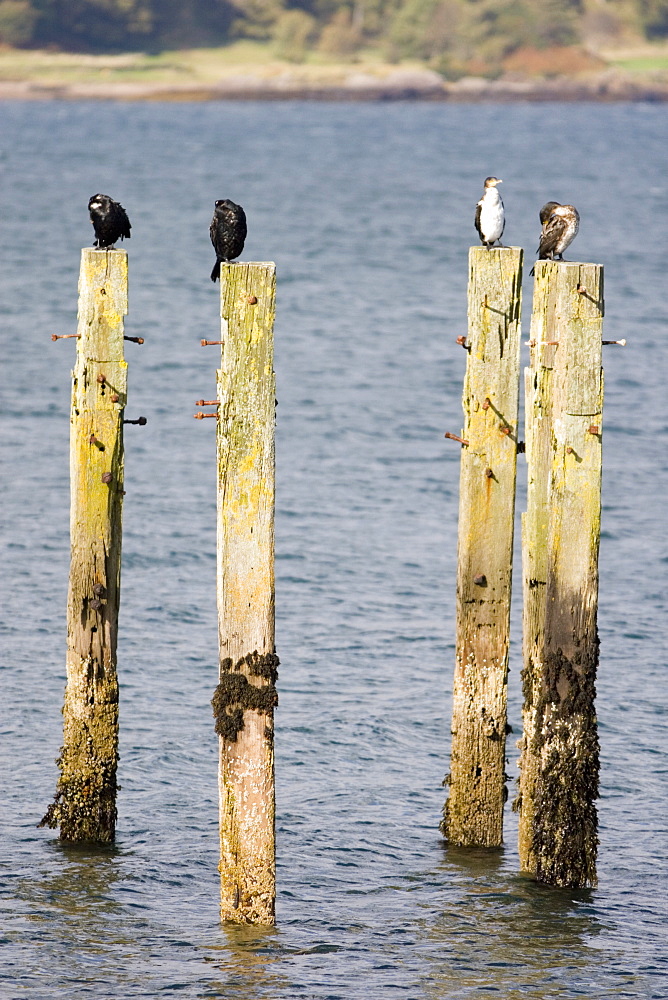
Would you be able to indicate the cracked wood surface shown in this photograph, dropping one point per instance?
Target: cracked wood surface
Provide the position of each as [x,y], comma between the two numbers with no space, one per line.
[473,814]
[245,445]
[85,803]
[560,541]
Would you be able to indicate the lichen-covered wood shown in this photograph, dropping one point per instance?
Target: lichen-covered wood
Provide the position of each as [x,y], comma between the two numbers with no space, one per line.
[473,814]
[560,540]
[85,803]
[246,694]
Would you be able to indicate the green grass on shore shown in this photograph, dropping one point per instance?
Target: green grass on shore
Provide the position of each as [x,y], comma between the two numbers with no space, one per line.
[639,58]
[207,67]
[187,66]
[643,64]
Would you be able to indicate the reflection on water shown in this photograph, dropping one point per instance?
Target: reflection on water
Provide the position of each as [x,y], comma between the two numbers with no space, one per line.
[248,960]
[78,881]
[73,889]
[502,931]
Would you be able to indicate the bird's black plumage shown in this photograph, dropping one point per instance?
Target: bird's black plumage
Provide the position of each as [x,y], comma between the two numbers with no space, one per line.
[228,233]
[110,221]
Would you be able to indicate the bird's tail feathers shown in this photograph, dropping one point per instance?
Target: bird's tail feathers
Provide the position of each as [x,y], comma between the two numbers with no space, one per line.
[215,274]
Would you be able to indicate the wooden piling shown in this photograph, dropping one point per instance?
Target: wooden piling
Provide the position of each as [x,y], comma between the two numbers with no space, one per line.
[85,803]
[473,813]
[560,542]
[246,694]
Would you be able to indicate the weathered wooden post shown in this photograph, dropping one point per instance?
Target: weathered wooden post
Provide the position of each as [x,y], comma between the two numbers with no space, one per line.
[560,540]
[244,700]
[85,801]
[473,814]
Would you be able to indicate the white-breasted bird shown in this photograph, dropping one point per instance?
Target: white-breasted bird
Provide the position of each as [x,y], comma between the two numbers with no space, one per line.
[490,218]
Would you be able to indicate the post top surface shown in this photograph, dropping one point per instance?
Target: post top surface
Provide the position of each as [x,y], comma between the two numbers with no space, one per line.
[97,250]
[566,263]
[249,263]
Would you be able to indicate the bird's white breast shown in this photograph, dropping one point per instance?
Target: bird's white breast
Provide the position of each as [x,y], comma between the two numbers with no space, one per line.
[491,214]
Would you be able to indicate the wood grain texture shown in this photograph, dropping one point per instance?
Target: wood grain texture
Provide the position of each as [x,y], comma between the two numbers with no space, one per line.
[560,536]
[246,694]
[85,802]
[473,814]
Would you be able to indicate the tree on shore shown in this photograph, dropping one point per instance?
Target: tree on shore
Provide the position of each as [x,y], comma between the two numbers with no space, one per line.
[442,32]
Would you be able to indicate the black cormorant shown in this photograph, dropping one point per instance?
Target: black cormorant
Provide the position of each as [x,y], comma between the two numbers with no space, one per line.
[110,221]
[228,233]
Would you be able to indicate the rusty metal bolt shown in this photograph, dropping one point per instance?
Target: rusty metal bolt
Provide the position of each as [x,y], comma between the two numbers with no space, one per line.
[592,429]
[480,580]
[504,428]
[252,300]
[115,398]
[569,450]
[456,437]
[486,405]
[95,605]
[101,378]
[489,473]
[99,590]
[106,477]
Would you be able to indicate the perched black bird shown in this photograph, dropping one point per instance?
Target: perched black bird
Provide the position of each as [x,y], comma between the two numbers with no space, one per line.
[489,215]
[228,233]
[110,221]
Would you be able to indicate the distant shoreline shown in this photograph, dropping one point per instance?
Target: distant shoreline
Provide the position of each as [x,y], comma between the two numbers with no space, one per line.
[247,71]
[402,85]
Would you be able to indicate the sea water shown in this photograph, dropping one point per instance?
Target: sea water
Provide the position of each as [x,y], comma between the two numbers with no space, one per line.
[367,210]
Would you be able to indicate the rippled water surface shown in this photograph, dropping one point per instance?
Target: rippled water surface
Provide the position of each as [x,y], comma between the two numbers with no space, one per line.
[367,210]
